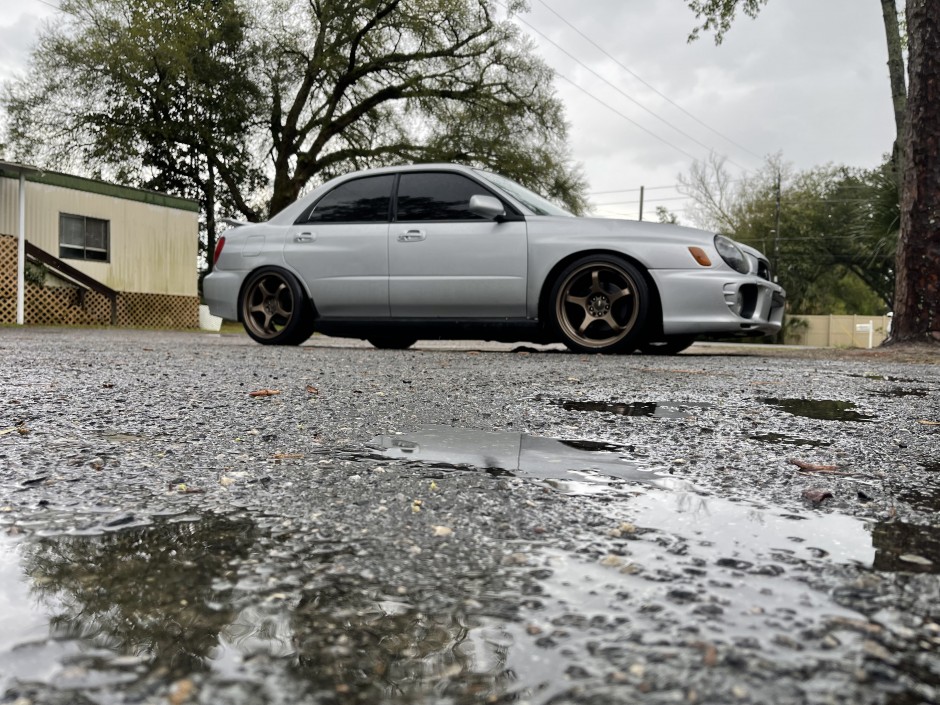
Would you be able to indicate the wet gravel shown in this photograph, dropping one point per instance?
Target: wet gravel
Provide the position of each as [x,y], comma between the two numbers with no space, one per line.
[707,528]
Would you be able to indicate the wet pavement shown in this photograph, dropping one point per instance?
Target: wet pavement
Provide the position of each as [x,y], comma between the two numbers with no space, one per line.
[451,525]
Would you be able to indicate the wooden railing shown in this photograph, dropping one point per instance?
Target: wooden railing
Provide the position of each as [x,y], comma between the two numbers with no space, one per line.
[68,272]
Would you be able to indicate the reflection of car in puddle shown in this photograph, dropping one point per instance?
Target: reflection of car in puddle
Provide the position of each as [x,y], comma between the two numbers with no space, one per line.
[547,459]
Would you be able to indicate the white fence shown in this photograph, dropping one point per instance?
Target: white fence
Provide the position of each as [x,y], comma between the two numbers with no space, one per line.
[838,331]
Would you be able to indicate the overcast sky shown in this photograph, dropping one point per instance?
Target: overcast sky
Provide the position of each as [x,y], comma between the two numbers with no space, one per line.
[807,78]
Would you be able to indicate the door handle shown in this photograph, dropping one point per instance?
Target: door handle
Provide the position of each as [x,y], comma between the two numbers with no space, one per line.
[305,237]
[412,236]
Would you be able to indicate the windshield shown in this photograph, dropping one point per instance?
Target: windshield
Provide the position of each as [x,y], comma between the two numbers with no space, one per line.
[531,200]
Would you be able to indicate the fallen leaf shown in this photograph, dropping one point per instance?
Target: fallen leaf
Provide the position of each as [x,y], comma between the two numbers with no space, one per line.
[442,531]
[812,467]
[264,393]
[181,692]
[817,495]
[312,390]
[287,456]
[925,422]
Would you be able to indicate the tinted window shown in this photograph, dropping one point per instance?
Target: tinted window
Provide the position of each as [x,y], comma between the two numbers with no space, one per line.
[359,201]
[437,196]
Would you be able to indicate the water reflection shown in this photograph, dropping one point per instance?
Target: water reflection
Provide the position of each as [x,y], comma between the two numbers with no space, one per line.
[371,648]
[906,548]
[820,409]
[542,458]
[661,410]
[151,593]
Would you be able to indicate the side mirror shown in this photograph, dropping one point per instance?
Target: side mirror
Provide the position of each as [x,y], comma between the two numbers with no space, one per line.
[487,206]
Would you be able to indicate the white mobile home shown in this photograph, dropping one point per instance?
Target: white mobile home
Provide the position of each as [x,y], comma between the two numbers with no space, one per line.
[90,241]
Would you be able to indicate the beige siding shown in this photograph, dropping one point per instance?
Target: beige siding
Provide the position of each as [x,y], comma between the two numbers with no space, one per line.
[838,331]
[153,249]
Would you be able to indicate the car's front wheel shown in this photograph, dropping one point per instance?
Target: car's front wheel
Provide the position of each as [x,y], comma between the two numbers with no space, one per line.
[600,304]
[274,308]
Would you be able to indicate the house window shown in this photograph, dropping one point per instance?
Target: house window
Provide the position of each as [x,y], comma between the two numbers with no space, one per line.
[83,238]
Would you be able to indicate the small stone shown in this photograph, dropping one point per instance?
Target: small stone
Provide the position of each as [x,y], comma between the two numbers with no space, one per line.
[442,531]
[739,692]
[637,670]
[917,560]
[612,561]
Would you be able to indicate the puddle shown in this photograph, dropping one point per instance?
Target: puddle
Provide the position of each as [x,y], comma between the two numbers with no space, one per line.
[786,440]
[583,465]
[900,393]
[745,535]
[821,409]
[97,611]
[906,548]
[886,378]
[208,601]
[923,498]
[660,410]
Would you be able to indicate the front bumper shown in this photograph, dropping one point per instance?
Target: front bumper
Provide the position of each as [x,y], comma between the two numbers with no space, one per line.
[718,302]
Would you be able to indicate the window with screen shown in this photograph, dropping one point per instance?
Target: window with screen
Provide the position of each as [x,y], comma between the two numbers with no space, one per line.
[85,238]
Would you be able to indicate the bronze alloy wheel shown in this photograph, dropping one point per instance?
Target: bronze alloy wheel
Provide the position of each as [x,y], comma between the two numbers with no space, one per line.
[600,304]
[274,310]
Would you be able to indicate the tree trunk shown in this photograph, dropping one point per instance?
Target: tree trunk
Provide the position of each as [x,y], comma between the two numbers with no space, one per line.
[898,86]
[917,292]
[210,218]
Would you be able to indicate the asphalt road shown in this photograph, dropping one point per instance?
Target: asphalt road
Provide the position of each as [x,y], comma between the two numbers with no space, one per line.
[197,518]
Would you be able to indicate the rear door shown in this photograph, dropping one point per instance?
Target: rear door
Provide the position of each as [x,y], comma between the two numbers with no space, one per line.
[339,248]
[446,262]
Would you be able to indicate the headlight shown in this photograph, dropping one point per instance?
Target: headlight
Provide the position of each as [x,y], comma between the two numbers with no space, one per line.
[732,254]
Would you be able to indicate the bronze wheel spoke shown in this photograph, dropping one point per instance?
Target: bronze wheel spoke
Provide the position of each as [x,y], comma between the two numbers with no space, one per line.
[614,326]
[621,294]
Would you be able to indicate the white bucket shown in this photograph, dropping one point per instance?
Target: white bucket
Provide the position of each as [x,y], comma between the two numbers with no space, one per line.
[207,321]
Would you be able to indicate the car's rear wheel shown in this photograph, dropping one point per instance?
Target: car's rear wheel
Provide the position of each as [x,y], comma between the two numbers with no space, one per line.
[392,342]
[669,345]
[275,310]
[600,304]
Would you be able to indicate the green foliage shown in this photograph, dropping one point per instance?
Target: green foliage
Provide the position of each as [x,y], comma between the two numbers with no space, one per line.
[717,15]
[247,103]
[664,215]
[834,252]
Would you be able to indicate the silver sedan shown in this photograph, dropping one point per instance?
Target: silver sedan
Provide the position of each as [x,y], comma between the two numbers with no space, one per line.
[398,254]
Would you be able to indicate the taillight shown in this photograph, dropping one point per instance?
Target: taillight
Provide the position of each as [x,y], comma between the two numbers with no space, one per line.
[218,250]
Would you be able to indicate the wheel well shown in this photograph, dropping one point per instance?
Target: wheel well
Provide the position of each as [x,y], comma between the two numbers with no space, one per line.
[655,306]
[275,268]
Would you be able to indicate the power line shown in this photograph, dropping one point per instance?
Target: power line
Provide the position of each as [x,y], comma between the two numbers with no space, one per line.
[48,4]
[623,93]
[638,78]
[630,120]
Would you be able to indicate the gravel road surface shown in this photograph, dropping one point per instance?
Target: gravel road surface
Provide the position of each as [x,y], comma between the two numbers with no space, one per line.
[194,518]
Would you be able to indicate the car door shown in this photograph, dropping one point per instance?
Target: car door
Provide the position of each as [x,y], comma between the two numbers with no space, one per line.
[339,248]
[446,262]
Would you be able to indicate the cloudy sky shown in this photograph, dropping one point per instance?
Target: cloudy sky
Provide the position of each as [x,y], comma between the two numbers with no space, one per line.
[807,78]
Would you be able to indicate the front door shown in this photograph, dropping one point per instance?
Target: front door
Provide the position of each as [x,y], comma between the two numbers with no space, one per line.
[446,262]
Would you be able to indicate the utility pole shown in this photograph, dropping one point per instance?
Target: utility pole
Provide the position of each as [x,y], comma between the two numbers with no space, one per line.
[777,230]
[642,189]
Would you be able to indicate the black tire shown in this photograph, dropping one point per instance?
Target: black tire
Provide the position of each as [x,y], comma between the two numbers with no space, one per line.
[599,304]
[275,309]
[668,345]
[392,342]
